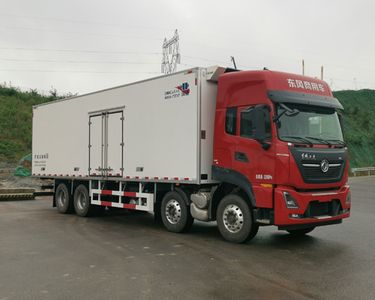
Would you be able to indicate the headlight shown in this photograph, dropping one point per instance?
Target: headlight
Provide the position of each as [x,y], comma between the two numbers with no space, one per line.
[290,201]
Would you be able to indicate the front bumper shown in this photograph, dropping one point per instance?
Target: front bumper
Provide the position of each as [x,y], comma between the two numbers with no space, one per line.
[318,208]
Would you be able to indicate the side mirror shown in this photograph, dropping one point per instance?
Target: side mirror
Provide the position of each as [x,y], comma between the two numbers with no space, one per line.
[261,121]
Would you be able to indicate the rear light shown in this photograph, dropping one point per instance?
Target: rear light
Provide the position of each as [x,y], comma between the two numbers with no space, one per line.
[290,201]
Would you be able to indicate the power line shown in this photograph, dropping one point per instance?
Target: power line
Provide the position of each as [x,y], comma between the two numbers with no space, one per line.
[78,51]
[82,22]
[80,33]
[74,71]
[78,61]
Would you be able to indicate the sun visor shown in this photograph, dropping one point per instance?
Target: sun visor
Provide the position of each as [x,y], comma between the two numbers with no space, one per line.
[303,98]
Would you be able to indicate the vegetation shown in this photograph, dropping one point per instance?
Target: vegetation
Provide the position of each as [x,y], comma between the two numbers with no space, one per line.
[16,121]
[359,125]
[16,117]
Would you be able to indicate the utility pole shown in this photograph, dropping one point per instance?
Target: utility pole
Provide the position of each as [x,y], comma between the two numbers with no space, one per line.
[234,62]
[321,72]
[303,67]
[171,54]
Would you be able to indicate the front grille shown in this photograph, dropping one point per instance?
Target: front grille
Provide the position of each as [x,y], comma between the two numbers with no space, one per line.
[309,163]
[312,173]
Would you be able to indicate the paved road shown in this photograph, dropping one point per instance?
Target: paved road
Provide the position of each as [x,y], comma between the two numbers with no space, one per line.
[45,255]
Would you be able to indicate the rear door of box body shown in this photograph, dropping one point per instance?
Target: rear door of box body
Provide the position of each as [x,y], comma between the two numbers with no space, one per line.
[106,143]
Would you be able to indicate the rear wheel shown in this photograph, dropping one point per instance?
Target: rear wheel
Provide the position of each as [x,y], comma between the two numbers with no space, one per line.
[82,204]
[235,220]
[175,213]
[300,232]
[63,199]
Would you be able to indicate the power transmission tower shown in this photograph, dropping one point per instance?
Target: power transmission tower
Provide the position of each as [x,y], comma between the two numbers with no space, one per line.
[171,54]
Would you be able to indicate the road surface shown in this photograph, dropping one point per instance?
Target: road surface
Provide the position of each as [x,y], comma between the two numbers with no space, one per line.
[46,255]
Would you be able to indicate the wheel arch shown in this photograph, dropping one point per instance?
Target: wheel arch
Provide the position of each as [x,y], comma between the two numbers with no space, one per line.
[231,182]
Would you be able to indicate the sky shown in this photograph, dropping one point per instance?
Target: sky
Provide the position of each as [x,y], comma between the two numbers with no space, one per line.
[82,46]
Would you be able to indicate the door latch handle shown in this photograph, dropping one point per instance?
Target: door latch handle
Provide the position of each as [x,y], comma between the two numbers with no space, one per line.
[240,156]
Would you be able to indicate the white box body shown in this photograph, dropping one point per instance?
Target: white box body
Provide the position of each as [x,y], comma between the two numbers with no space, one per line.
[149,130]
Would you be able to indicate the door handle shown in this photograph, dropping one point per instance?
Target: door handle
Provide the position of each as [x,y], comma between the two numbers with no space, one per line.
[240,156]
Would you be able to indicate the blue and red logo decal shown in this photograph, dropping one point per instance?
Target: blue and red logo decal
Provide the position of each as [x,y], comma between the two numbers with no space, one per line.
[184,88]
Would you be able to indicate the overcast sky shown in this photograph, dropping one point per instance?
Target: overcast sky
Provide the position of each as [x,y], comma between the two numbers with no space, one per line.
[86,45]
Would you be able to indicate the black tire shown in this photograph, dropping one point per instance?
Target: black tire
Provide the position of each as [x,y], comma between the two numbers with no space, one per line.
[235,219]
[175,213]
[82,203]
[63,199]
[300,232]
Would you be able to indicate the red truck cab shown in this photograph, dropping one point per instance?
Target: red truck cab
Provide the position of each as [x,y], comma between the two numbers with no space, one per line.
[278,138]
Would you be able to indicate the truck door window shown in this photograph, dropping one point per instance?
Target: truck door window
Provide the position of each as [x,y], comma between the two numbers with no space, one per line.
[247,125]
[231,120]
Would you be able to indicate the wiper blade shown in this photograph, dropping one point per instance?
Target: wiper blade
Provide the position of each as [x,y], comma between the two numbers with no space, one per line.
[287,111]
[319,140]
[340,142]
[298,138]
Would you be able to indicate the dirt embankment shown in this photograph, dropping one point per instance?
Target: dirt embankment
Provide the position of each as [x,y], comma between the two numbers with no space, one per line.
[8,180]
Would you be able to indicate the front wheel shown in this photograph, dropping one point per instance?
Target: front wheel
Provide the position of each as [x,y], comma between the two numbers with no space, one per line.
[175,213]
[300,232]
[235,219]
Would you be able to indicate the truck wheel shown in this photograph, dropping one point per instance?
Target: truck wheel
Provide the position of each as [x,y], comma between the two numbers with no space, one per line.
[63,199]
[235,220]
[300,232]
[82,204]
[175,213]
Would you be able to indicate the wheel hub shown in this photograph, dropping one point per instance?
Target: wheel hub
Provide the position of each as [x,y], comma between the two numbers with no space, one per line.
[81,201]
[61,198]
[233,218]
[173,211]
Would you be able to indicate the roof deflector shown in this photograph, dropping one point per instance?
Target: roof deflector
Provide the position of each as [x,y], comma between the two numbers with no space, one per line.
[214,72]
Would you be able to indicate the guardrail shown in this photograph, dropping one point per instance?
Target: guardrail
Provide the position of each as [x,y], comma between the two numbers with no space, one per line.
[368,170]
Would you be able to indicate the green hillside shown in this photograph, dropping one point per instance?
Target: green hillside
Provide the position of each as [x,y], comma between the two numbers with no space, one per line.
[16,115]
[359,125]
[15,121]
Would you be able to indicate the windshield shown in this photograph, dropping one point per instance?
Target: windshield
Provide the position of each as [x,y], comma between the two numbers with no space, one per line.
[309,124]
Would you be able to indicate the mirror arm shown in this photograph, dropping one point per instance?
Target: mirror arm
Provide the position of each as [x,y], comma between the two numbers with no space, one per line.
[264,144]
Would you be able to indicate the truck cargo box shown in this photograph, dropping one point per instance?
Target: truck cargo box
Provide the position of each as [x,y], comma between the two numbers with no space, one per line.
[160,129]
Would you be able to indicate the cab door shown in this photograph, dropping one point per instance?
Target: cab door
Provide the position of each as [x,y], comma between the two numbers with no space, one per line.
[250,158]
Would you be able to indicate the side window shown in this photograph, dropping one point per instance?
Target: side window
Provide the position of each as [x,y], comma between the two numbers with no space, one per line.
[231,120]
[247,125]
[247,128]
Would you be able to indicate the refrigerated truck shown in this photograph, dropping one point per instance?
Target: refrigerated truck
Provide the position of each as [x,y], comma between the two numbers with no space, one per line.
[244,148]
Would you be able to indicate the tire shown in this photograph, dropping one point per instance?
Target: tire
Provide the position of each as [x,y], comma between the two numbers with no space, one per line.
[63,199]
[300,232]
[235,219]
[82,205]
[175,213]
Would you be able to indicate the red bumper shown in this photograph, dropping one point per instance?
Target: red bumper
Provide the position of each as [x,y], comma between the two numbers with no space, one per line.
[313,207]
